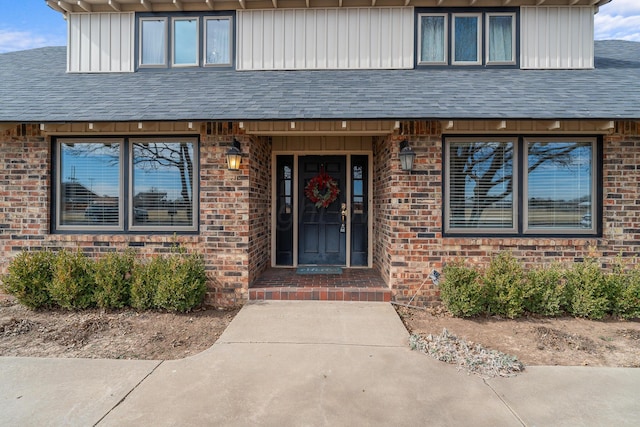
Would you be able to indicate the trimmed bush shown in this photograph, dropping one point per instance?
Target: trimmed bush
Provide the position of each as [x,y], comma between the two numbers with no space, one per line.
[503,286]
[630,295]
[72,286]
[183,284]
[28,278]
[544,291]
[143,285]
[113,275]
[461,291]
[587,290]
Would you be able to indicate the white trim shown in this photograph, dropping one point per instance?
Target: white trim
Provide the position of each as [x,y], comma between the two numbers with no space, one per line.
[445,16]
[173,41]
[478,17]
[513,39]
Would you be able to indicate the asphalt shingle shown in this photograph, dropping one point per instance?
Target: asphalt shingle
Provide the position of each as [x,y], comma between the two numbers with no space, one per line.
[36,88]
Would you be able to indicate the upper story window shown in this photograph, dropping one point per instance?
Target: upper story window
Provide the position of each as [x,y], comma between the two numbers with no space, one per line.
[185,41]
[467,38]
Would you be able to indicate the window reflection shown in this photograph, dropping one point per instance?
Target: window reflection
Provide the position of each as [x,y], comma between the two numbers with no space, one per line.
[559,184]
[89,184]
[481,184]
[163,183]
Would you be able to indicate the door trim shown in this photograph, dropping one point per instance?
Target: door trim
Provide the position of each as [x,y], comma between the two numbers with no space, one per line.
[296,155]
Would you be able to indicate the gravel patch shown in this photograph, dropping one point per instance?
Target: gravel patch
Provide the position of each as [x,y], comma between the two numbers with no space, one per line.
[470,357]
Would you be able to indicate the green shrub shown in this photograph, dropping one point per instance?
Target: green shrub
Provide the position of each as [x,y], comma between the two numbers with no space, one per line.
[143,285]
[113,275]
[503,286]
[461,291]
[629,306]
[544,291]
[28,278]
[183,284]
[587,290]
[73,283]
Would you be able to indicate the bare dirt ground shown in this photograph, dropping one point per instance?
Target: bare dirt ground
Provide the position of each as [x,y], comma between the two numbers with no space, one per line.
[123,334]
[151,335]
[562,341]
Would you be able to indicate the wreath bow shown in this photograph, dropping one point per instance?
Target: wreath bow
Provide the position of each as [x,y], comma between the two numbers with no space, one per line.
[322,190]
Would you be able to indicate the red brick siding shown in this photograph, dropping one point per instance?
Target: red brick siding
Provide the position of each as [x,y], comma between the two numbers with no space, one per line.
[259,206]
[412,218]
[224,236]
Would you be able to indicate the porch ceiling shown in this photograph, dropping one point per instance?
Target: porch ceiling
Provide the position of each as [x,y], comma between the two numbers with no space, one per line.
[73,6]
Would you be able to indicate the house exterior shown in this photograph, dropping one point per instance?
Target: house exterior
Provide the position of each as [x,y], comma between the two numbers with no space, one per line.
[525,136]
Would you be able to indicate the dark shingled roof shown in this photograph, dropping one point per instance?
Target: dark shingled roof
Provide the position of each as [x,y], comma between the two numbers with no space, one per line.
[36,88]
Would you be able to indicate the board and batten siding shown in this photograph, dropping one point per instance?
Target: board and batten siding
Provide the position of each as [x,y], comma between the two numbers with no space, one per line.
[557,37]
[331,38]
[100,42]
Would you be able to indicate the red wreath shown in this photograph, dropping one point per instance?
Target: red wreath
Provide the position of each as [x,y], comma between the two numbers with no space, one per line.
[322,190]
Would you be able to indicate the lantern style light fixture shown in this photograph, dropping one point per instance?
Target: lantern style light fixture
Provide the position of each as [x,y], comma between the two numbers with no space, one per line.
[234,156]
[407,155]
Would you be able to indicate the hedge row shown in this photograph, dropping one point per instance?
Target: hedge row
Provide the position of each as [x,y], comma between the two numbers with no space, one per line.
[582,289]
[70,280]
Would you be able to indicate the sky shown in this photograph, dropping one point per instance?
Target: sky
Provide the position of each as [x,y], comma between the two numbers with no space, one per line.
[27,24]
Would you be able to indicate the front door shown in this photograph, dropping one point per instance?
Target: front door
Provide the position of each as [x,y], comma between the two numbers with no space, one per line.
[321,226]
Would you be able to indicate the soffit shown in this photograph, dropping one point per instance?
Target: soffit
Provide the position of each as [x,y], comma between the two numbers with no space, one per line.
[79,6]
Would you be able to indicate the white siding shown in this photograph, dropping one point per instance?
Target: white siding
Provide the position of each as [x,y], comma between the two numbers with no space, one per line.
[332,38]
[556,37]
[100,42]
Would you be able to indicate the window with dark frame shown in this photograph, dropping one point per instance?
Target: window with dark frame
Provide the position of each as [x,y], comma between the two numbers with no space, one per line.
[521,185]
[185,40]
[126,184]
[463,37]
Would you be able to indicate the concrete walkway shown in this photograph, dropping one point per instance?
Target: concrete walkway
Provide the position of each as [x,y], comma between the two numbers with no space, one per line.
[305,363]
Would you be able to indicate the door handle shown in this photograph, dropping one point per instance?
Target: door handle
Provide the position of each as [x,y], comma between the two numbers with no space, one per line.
[344,213]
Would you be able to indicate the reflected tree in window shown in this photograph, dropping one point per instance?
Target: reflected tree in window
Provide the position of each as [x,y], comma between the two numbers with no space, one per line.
[163,182]
[481,179]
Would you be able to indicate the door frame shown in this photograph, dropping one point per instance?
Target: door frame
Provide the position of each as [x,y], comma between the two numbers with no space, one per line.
[296,183]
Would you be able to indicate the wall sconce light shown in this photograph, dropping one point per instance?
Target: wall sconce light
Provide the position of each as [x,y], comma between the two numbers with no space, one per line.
[234,156]
[407,155]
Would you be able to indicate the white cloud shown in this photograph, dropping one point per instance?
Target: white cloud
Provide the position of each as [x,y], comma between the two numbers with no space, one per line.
[619,19]
[21,40]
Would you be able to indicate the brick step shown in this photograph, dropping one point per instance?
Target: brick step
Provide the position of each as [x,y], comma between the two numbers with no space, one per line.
[294,293]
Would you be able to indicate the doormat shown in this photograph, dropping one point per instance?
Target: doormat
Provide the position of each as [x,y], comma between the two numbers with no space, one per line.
[319,270]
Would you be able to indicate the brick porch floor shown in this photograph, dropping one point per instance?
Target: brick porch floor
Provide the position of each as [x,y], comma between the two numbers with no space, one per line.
[354,284]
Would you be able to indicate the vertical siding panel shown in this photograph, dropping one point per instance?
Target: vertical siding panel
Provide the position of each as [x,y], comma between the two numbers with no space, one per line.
[321,38]
[326,38]
[115,29]
[374,38]
[557,37]
[74,43]
[85,43]
[268,42]
[278,40]
[332,39]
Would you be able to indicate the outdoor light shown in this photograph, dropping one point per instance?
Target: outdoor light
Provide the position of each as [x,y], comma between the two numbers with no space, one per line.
[234,156]
[407,155]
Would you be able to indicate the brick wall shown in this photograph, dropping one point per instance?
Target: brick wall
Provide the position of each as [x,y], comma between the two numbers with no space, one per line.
[259,206]
[224,237]
[408,238]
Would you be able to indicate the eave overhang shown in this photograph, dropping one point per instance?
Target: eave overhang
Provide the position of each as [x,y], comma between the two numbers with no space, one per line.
[97,6]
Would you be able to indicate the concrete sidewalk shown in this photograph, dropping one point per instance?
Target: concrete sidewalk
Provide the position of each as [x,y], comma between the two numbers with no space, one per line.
[309,364]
